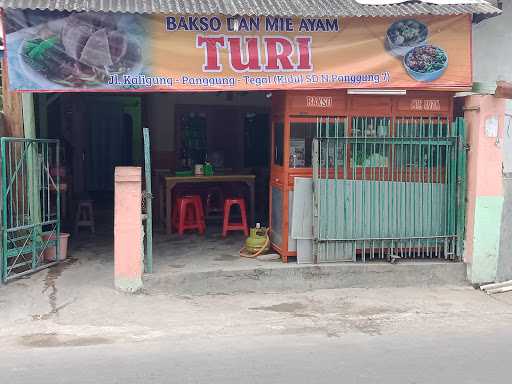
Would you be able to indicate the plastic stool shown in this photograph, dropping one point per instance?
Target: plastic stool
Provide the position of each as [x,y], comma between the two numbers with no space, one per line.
[84,215]
[229,226]
[190,214]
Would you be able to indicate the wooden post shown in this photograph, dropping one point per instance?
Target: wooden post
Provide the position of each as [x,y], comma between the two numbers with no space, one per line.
[13,117]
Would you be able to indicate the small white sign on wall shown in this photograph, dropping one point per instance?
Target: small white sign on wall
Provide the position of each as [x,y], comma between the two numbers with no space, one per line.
[491,126]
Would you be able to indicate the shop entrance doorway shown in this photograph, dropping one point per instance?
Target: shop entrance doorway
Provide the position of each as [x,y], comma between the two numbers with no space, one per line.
[100,131]
[235,141]
[114,138]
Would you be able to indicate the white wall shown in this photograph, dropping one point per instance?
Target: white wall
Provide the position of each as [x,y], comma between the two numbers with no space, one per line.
[492,47]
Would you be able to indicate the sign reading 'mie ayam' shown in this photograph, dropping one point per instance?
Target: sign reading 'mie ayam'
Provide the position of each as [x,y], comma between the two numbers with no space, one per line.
[92,51]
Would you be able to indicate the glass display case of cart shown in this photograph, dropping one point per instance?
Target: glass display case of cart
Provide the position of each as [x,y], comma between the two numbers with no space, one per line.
[297,117]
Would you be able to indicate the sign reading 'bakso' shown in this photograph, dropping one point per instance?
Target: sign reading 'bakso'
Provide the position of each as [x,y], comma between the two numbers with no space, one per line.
[84,51]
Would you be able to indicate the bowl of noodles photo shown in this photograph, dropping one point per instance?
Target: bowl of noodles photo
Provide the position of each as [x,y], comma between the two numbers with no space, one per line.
[404,35]
[426,63]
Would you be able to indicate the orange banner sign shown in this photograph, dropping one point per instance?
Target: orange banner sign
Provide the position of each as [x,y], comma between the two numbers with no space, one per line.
[103,51]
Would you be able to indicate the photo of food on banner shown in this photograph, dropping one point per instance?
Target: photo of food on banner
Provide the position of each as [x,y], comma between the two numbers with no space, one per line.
[79,49]
[407,40]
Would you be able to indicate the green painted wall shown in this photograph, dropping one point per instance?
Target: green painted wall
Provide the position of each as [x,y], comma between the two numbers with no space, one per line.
[486,238]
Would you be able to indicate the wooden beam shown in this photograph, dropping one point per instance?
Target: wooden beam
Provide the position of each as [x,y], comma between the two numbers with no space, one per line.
[13,111]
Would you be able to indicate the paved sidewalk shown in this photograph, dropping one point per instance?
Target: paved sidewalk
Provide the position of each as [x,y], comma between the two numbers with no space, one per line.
[74,304]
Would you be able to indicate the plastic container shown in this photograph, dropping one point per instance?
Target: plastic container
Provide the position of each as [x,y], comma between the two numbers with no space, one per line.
[184,173]
[49,253]
[208,169]
[198,170]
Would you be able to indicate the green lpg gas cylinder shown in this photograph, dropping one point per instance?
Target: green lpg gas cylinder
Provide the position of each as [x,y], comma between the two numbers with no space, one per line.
[258,239]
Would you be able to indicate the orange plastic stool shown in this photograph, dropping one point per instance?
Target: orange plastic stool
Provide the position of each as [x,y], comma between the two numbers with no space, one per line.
[229,226]
[189,214]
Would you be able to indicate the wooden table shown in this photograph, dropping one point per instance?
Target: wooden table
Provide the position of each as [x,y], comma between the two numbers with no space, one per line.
[169,182]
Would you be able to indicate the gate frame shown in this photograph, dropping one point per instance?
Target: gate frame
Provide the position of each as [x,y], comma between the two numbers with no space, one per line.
[36,168]
[456,168]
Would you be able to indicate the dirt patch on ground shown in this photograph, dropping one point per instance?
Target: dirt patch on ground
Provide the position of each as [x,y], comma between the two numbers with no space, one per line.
[52,340]
[282,307]
[177,266]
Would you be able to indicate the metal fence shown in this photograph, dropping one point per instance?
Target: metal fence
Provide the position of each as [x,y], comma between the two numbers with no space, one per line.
[30,205]
[389,188]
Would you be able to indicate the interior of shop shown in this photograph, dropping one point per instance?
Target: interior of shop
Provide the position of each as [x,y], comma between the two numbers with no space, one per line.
[222,134]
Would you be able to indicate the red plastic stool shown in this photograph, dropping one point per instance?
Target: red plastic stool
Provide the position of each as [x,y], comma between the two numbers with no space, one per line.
[189,214]
[229,226]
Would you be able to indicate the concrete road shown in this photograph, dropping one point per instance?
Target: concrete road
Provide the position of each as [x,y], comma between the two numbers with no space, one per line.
[72,332]
[482,358]
[67,325]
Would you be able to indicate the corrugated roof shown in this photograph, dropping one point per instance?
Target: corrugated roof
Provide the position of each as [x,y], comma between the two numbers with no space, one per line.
[304,8]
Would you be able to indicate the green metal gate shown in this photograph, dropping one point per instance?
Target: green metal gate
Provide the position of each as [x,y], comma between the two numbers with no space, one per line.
[389,188]
[30,205]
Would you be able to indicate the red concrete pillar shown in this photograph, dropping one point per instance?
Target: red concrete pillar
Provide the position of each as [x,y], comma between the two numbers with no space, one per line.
[128,229]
